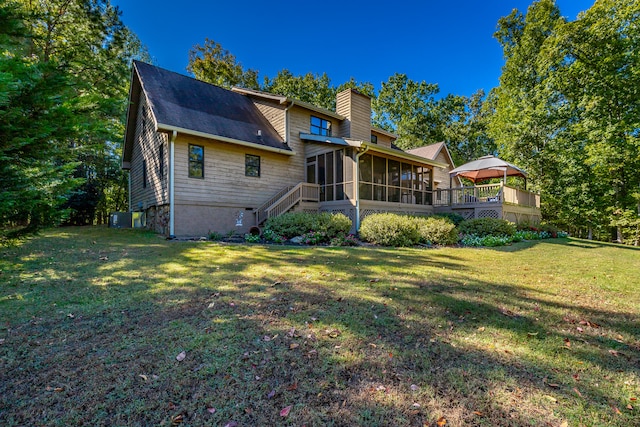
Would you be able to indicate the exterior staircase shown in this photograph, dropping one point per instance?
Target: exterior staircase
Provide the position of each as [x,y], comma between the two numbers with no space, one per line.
[286,199]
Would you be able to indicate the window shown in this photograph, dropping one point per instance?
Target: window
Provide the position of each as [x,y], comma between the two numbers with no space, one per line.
[251,165]
[374,139]
[196,161]
[320,126]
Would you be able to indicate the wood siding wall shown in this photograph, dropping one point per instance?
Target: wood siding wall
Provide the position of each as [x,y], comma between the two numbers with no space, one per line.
[383,140]
[274,112]
[357,109]
[146,149]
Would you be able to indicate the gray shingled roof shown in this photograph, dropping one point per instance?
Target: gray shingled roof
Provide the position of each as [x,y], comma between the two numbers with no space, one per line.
[428,151]
[179,101]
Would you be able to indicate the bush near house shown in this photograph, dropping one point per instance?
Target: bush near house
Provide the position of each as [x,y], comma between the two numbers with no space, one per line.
[437,230]
[455,218]
[389,229]
[482,227]
[293,224]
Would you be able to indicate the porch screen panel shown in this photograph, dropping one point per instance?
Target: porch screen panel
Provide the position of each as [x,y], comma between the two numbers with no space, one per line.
[321,176]
[366,177]
[329,177]
[394,181]
[380,179]
[406,181]
[340,175]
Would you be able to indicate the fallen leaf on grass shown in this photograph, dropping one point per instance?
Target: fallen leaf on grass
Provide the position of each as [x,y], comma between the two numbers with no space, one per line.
[414,387]
[180,357]
[178,419]
[550,398]
[293,386]
[567,343]
[616,410]
[629,407]
[633,399]
[231,424]
[211,410]
[553,385]
[271,394]
[577,392]
[478,413]
[532,334]
[285,411]
[333,333]
[442,421]
[294,345]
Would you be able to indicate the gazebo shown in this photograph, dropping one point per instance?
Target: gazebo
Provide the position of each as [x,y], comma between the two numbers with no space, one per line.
[489,200]
[486,168]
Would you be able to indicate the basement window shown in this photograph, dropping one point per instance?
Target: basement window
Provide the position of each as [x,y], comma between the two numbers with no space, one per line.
[196,161]
[251,165]
[320,126]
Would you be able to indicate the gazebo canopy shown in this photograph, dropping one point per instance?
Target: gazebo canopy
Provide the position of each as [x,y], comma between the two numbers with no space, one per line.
[487,167]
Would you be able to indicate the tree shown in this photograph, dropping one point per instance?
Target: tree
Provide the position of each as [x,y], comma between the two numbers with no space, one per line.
[68,67]
[214,64]
[313,88]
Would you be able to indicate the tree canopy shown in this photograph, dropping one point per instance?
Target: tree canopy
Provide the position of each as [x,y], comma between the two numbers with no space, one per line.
[64,71]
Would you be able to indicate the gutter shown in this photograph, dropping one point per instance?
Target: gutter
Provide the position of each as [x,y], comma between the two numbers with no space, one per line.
[357,184]
[172,183]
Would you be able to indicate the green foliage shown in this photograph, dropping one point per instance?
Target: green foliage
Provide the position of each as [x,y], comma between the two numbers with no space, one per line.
[628,222]
[567,109]
[273,237]
[216,237]
[344,240]
[64,68]
[295,224]
[437,231]
[214,64]
[482,227]
[455,218]
[489,241]
[389,229]
[252,238]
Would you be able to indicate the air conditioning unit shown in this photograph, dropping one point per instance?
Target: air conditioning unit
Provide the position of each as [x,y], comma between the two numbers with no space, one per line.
[120,220]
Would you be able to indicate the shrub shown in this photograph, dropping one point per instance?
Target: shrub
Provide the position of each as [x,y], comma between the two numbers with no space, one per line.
[298,223]
[314,238]
[344,240]
[437,230]
[216,237]
[482,227]
[455,218]
[388,229]
[252,238]
[274,237]
[472,240]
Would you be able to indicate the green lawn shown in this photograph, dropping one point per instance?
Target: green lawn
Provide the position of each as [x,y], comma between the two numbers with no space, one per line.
[92,320]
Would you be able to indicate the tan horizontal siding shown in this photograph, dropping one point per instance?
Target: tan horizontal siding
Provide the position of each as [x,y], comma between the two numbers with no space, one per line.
[147,148]
[224,179]
[383,140]
[274,112]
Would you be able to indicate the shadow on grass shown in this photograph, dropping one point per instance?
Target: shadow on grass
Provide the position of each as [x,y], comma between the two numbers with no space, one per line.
[345,336]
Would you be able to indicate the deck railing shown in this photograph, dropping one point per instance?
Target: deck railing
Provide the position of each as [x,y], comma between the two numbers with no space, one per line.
[287,198]
[490,193]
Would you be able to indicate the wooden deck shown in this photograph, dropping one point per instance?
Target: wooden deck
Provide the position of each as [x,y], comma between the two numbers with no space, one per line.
[489,201]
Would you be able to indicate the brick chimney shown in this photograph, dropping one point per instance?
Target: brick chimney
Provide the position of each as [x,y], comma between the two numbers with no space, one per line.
[356,107]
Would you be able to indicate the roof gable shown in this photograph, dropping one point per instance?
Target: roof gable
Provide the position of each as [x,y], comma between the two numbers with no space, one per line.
[185,104]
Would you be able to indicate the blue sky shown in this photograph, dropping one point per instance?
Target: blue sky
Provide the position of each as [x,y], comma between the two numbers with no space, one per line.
[447,42]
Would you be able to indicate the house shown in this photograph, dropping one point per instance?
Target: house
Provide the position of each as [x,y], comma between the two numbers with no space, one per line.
[202,158]
[439,153]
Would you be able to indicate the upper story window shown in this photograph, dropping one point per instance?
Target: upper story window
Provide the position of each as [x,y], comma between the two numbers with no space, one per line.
[320,126]
[251,165]
[196,161]
[374,138]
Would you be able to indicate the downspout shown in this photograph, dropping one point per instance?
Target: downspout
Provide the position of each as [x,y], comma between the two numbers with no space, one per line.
[171,183]
[129,183]
[356,181]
